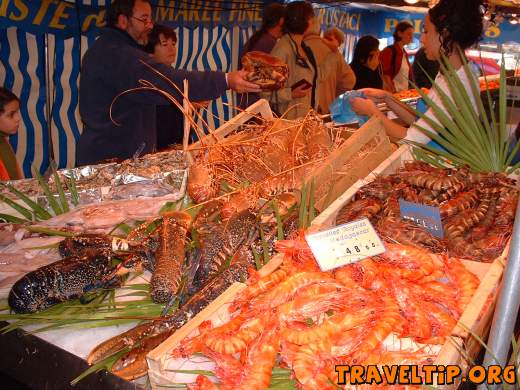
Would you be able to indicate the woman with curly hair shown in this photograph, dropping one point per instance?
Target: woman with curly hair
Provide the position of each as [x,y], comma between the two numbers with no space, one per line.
[450,27]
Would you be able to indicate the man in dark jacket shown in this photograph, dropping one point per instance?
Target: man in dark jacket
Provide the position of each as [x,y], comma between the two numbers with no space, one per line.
[119,126]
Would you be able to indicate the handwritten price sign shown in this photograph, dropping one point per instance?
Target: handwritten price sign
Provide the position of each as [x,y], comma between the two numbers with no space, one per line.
[345,244]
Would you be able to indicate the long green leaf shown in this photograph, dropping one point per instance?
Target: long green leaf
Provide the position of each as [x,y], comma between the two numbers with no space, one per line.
[19,208]
[39,211]
[50,197]
[61,192]
[302,215]
[258,262]
[105,364]
[49,232]
[11,218]
[279,222]
[71,185]
[265,247]
[445,137]
[312,210]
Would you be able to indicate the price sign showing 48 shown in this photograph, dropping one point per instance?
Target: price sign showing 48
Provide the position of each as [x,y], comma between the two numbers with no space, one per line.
[345,244]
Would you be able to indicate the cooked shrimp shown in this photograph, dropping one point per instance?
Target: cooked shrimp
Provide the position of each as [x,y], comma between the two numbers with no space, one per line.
[307,306]
[230,343]
[309,364]
[261,286]
[331,327]
[413,263]
[466,282]
[286,290]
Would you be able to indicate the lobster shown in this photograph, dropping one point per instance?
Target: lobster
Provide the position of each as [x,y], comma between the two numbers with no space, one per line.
[86,266]
[145,337]
[69,278]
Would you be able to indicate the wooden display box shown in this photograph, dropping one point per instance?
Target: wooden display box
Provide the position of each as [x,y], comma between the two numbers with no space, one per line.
[160,362]
[363,150]
[476,319]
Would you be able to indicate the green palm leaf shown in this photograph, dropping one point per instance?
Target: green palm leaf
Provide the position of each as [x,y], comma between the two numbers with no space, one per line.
[467,132]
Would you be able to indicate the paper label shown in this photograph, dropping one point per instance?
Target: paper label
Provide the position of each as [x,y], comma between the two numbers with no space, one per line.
[345,244]
[427,217]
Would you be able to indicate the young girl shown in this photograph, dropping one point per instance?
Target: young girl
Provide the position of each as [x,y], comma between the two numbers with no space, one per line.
[9,122]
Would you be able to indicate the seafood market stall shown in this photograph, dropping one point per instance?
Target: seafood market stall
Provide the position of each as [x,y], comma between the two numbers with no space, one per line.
[101,227]
[238,320]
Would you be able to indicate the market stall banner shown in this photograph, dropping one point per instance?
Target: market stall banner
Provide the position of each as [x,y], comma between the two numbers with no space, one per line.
[47,83]
[504,32]
[346,19]
[382,24]
[22,70]
[70,18]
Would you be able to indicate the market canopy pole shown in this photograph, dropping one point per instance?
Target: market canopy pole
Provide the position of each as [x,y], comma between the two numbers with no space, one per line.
[504,318]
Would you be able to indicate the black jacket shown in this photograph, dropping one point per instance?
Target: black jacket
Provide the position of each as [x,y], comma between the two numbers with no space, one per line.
[422,68]
[366,77]
[113,65]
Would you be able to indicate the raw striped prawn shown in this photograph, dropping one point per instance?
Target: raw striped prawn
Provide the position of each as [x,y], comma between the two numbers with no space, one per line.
[357,209]
[462,201]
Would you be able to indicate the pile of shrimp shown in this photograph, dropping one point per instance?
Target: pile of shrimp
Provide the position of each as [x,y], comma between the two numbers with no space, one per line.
[308,321]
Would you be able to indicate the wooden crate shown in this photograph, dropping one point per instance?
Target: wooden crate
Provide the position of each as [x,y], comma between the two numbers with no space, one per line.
[260,108]
[159,360]
[362,151]
[476,319]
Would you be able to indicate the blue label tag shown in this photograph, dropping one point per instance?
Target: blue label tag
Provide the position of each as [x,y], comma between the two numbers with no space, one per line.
[427,217]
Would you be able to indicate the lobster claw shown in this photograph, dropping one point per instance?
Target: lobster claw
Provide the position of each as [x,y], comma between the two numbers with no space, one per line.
[133,364]
[140,340]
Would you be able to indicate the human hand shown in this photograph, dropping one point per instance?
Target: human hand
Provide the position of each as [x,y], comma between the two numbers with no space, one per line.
[374,94]
[363,106]
[237,82]
[300,91]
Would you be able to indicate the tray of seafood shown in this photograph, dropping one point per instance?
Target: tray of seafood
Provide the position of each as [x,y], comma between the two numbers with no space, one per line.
[153,175]
[273,155]
[295,324]
[477,211]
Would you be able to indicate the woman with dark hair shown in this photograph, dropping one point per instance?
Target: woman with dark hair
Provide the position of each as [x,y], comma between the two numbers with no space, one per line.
[300,93]
[263,40]
[394,59]
[365,63]
[450,27]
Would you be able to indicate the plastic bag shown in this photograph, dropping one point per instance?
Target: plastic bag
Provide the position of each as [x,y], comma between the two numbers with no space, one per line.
[342,112]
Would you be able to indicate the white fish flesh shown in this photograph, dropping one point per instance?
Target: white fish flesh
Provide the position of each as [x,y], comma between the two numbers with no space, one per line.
[106,215]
